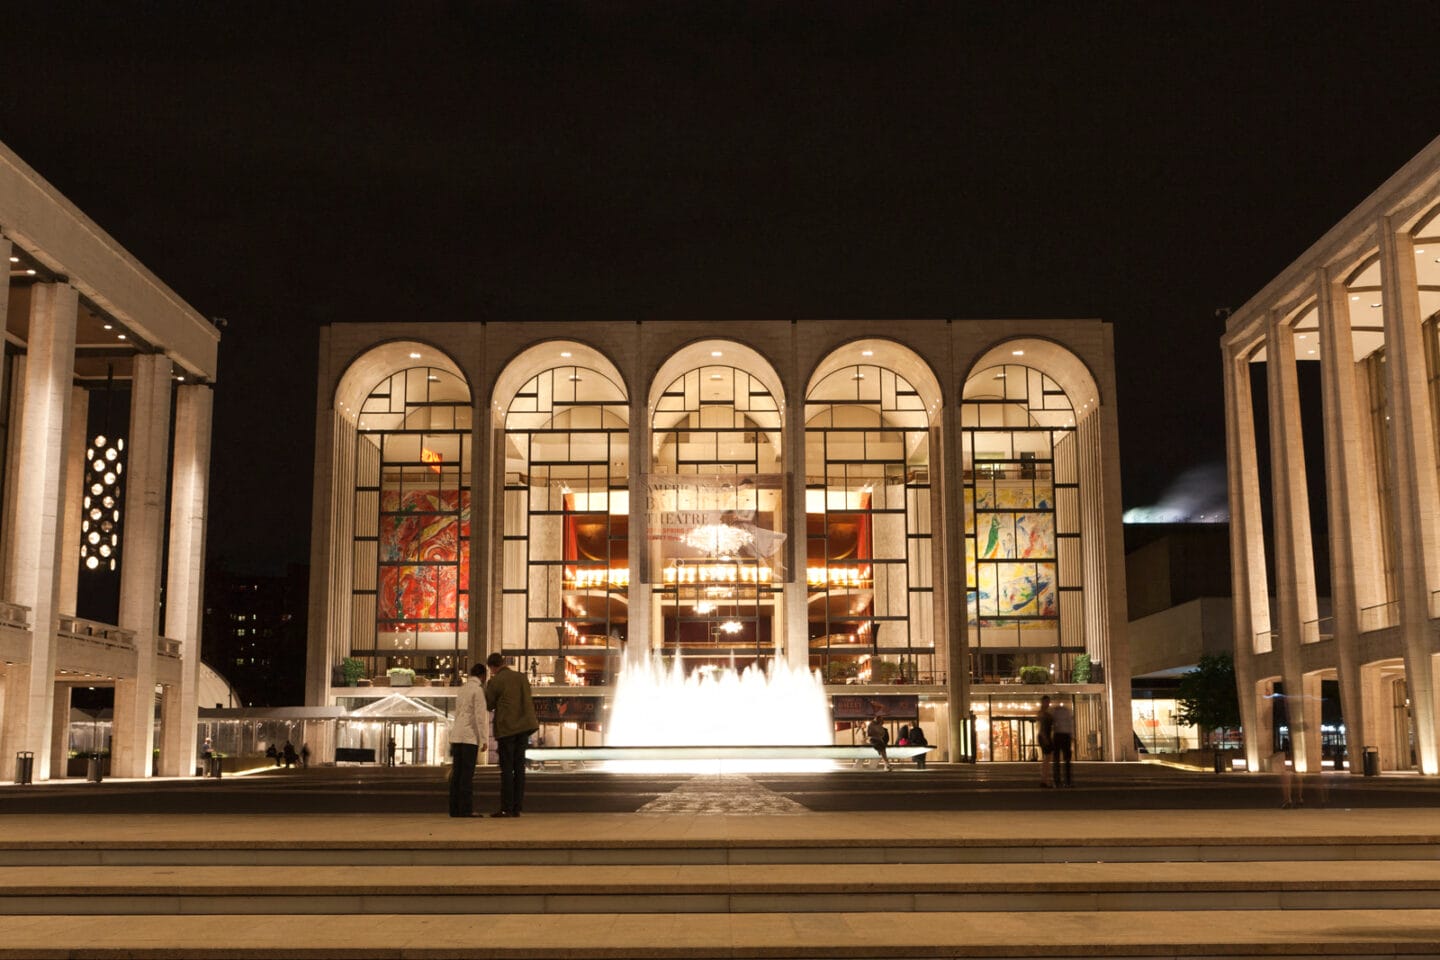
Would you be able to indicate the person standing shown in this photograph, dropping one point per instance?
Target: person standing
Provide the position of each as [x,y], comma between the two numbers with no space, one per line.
[468,730]
[1064,740]
[879,736]
[1045,739]
[509,694]
[917,739]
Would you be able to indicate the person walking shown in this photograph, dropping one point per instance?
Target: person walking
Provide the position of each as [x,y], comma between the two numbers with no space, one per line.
[304,755]
[468,730]
[1064,740]
[1045,739]
[509,694]
[289,755]
[878,736]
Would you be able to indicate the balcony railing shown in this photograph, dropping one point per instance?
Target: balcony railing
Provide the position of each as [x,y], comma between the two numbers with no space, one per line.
[1265,641]
[1379,616]
[104,634]
[14,615]
[1313,631]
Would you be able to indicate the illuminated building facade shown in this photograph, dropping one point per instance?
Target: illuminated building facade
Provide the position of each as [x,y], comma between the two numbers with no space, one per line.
[1359,312]
[105,404]
[920,510]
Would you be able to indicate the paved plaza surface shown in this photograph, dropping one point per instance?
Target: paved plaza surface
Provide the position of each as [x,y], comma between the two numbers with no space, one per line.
[940,787]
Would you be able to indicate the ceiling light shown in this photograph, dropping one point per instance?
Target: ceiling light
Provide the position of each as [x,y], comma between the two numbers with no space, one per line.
[121,336]
[1355,297]
[1375,306]
[858,376]
[1310,351]
[414,356]
[999,376]
[716,353]
[1017,353]
[432,378]
[566,354]
[181,377]
[109,326]
[716,376]
[867,353]
[29,273]
[1302,336]
[17,259]
[575,378]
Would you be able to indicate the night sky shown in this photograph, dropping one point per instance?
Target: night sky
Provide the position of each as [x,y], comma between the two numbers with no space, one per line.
[285,166]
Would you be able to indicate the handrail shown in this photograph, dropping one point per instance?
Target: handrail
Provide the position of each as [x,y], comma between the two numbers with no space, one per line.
[1314,631]
[1265,640]
[1379,616]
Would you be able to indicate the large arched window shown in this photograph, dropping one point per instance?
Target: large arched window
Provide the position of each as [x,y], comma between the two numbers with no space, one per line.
[566,571]
[869,548]
[411,604]
[1022,506]
[716,513]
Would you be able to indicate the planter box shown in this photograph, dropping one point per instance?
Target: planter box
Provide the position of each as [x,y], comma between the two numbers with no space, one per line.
[401,680]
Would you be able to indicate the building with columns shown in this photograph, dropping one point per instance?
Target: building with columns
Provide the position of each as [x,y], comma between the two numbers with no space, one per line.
[85,511]
[1362,304]
[919,510]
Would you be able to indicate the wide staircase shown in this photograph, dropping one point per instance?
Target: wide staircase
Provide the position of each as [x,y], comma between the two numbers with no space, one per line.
[1087,884]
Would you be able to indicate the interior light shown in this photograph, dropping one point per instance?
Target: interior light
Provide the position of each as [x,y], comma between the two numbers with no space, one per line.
[858,376]
[1355,297]
[181,377]
[1310,351]
[1374,306]
[30,273]
[122,336]
[1302,336]
[716,376]
[575,378]
[109,326]
[716,353]
[432,378]
[566,354]
[1017,353]
[17,259]
[414,356]
[867,353]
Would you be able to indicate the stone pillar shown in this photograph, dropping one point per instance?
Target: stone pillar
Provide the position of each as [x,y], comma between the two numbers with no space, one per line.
[1247,549]
[1413,454]
[60,732]
[185,587]
[142,555]
[321,610]
[1294,559]
[72,514]
[486,538]
[16,390]
[639,599]
[957,634]
[35,558]
[1356,580]
[797,581]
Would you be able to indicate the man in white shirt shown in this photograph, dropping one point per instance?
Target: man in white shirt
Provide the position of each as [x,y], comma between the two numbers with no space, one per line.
[469,730]
[1063,741]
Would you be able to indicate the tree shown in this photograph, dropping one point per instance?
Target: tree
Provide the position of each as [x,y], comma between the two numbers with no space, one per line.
[1208,697]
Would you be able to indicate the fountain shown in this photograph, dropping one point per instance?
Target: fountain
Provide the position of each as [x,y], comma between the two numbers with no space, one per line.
[661,706]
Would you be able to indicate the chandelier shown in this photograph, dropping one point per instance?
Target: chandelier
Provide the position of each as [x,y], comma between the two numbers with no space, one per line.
[717,539]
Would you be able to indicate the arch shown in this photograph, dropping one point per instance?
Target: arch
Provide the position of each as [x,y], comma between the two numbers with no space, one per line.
[720,354]
[547,355]
[888,354]
[373,366]
[1054,360]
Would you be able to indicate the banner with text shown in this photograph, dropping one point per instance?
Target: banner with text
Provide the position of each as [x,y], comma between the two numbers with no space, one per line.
[708,528]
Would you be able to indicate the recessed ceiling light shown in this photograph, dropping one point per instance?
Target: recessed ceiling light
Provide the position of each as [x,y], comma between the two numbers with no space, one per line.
[1302,336]
[1375,306]
[109,326]
[999,376]
[1310,351]
[858,376]
[867,353]
[414,356]
[14,259]
[716,376]
[30,273]
[716,353]
[1355,297]
[121,336]
[575,378]
[181,377]
[432,378]
[566,354]
[1017,353]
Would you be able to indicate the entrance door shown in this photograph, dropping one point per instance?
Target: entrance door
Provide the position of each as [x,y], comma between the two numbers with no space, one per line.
[1013,739]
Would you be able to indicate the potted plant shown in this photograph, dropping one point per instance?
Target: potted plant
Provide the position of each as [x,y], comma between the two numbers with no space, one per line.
[1081,671]
[1034,675]
[401,676]
[352,669]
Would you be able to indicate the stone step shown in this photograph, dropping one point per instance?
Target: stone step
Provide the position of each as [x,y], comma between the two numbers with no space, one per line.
[780,936]
[491,849]
[791,888]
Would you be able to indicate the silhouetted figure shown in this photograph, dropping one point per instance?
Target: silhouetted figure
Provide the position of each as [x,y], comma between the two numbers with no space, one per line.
[878,736]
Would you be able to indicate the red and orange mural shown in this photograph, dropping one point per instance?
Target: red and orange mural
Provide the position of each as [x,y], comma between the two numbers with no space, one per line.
[424,560]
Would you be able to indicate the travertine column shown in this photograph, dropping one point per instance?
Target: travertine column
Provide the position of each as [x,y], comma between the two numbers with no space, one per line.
[44,431]
[638,635]
[142,556]
[185,586]
[1356,580]
[321,609]
[1247,548]
[1413,454]
[957,634]
[797,584]
[74,501]
[60,732]
[1294,558]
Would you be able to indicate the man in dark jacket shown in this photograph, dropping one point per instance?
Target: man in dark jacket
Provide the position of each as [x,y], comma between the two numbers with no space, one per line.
[508,693]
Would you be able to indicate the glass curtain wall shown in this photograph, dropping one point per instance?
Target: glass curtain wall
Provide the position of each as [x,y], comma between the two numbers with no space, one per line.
[717,429]
[870,566]
[566,572]
[411,603]
[1021,497]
